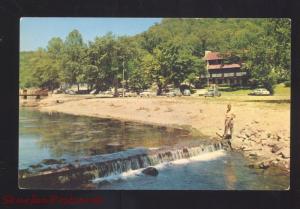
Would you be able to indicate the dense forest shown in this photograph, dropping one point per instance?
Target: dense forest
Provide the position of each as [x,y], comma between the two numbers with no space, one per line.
[169,52]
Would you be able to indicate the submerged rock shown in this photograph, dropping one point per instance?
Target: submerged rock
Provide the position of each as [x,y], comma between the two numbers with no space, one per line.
[151,171]
[264,165]
[53,161]
[24,172]
[36,166]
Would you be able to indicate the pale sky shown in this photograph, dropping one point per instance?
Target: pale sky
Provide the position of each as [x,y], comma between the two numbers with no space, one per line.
[36,32]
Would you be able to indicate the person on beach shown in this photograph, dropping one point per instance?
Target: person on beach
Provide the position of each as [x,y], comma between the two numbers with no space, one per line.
[229,122]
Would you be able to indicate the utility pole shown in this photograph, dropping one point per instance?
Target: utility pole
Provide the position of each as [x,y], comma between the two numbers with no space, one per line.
[207,72]
[207,75]
[123,82]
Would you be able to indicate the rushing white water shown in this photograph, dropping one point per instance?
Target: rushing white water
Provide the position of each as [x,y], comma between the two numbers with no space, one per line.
[163,163]
[204,157]
[115,177]
[118,163]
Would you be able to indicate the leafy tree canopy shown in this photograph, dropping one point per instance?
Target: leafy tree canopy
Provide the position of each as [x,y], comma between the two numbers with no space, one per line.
[169,52]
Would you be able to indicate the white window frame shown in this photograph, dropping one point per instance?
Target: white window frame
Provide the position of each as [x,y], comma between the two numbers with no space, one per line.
[204,76]
[241,74]
[228,75]
[216,75]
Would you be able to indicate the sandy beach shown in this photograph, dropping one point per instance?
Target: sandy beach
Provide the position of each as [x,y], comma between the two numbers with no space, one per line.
[261,130]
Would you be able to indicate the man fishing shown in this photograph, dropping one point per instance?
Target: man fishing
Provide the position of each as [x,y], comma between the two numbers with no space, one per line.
[229,121]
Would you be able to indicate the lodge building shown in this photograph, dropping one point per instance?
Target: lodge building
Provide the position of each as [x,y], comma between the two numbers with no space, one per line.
[220,73]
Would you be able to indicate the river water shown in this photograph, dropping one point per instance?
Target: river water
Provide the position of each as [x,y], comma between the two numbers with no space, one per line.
[61,136]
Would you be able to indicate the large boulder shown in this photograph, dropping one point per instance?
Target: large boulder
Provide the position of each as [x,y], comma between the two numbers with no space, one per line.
[151,171]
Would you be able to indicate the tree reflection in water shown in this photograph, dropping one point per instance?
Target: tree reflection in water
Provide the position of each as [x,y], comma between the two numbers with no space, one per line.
[72,135]
[230,175]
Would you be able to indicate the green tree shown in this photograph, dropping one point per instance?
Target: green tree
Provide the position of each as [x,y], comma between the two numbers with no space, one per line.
[73,58]
[169,52]
[268,60]
[55,48]
[152,69]
[109,56]
[27,60]
[45,71]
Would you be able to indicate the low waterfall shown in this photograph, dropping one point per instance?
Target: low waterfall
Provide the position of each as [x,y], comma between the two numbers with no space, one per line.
[85,170]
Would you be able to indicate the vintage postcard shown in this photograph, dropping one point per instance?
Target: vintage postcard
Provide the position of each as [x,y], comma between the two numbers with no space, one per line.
[154,103]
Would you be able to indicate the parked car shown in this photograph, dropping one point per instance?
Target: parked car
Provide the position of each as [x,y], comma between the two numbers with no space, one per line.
[71,92]
[147,93]
[108,93]
[260,92]
[212,93]
[201,92]
[173,93]
[83,91]
[93,91]
[187,92]
[58,91]
[130,94]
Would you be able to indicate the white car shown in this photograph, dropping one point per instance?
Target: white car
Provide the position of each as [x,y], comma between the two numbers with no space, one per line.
[201,92]
[130,94]
[107,92]
[260,92]
[147,93]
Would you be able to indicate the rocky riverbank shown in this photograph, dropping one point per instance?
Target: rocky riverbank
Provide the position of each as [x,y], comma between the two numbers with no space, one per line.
[264,148]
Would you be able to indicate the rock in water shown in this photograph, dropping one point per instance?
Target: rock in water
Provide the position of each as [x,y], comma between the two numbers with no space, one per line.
[151,171]
[264,165]
[36,166]
[52,161]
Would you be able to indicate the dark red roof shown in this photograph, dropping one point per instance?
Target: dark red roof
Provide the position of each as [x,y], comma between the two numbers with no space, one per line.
[225,66]
[213,56]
